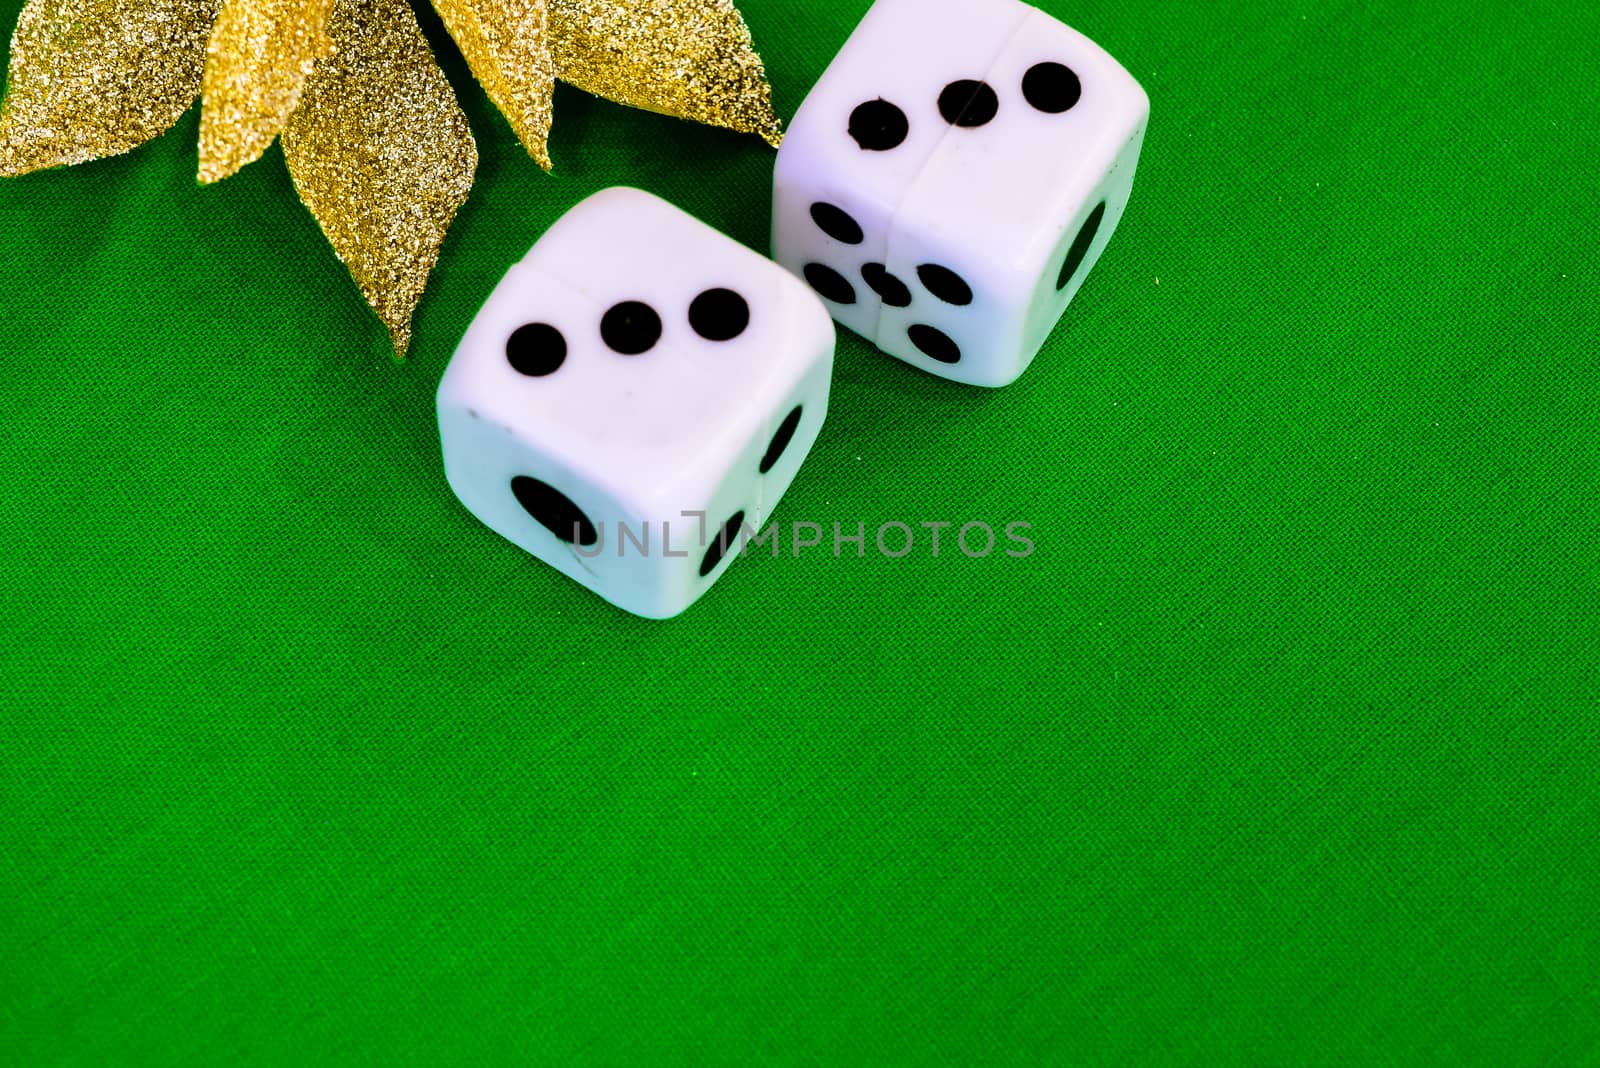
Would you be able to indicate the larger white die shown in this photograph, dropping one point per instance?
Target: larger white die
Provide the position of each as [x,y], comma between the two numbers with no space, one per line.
[953,177]
[634,393]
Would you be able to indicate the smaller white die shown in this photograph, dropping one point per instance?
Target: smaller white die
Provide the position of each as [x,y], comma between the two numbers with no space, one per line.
[954,176]
[635,392]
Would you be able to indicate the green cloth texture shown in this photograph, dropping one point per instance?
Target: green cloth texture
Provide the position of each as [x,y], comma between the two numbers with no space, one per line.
[1281,747]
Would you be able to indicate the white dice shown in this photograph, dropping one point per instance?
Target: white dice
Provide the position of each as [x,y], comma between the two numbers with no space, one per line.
[637,391]
[953,177]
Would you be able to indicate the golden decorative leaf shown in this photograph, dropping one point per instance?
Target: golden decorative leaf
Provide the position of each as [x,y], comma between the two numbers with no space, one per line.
[505,44]
[260,54]
[688,58]
[381,154]
[93,78]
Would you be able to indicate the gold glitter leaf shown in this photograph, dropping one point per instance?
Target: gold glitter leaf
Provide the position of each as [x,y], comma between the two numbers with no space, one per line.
[260,54]
[505,44]
[688,58]
[381,154]
[93,78]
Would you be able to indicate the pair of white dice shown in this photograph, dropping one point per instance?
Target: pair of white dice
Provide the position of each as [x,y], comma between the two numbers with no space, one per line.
[640,390]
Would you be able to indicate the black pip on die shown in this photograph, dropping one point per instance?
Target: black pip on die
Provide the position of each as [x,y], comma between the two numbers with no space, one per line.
[953,177]
[634,394]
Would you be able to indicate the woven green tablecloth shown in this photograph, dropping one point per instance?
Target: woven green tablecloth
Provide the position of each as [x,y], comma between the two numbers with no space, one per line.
[1281,747]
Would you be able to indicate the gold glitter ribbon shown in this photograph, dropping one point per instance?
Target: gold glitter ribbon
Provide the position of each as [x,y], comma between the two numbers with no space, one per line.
[505,44]
[93,78]
[259,57]
[689,58]
[381,154]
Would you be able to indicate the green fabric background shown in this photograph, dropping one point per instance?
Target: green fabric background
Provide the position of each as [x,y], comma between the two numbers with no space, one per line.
[1281,748]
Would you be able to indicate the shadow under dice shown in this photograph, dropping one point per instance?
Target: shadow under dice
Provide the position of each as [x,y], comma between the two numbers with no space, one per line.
[634,394]
[953,178]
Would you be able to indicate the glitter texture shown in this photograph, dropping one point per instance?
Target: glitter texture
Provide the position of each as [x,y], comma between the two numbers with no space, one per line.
[260,54]
[376,144]
[505,44]
[381,154]
[688,58]
[92,78]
